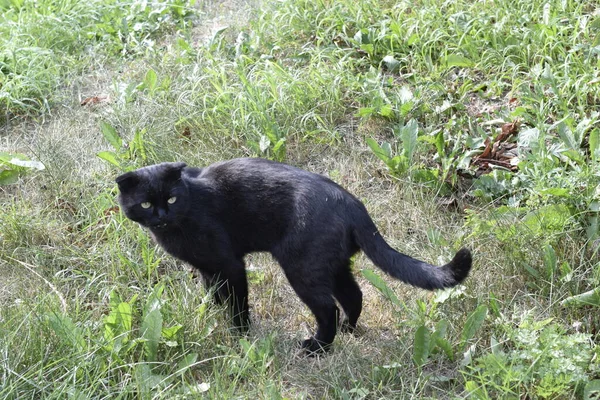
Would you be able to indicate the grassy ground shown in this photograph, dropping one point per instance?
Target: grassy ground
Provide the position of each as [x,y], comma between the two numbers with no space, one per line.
[457,123]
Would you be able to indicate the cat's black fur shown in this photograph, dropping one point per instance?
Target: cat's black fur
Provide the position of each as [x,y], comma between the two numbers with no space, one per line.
[310,225]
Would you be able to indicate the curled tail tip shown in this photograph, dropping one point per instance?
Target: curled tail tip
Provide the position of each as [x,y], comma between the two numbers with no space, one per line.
[460,265]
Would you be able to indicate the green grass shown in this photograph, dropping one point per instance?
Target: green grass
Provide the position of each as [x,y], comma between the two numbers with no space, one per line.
[44,44]
[393,100]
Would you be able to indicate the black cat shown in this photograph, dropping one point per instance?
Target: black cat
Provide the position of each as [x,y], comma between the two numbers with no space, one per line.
[212,217]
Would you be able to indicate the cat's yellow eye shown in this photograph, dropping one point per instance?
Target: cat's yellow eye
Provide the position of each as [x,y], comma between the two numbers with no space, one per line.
[172,200]
[146,204]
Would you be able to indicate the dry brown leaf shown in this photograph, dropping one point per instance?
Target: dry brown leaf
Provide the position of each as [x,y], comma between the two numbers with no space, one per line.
[488,149]
[186,133]
[509,129]
[94,100]
[111,210]
[498,152]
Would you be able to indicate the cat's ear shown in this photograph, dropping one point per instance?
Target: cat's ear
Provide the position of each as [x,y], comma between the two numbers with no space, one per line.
[173,170]
[127,181]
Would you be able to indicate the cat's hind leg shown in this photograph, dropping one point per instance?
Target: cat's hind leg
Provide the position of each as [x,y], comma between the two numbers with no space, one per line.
[348,294]
[312,282]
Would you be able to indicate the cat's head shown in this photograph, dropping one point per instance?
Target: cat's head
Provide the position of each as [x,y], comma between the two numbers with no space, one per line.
[154,196]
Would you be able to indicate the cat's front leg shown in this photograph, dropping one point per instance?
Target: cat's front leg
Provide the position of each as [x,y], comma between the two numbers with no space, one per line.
[230,285]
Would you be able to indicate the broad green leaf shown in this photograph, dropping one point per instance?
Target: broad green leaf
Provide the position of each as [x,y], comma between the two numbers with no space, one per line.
[495,346]
[361,36]
[368,48]
[551,218]
[137,147]
[547,76]
[528,137]
[573,155]
[594,142]
[146,380]
[364,112]
[558,192]
[532,271]
[595,24]
[592,390]
[406,108]
[391,63]
[279,146]
[593,227]
[154,300]
[152,323]
[468,356]
[549,260]
[567,137]
[445,345]
[380,284]
[408,134]
[28,164]
[441,328]
[9,176]
[405,95]
[379,152]
[182,44]
[264,143]
[109,156]
[438,339]
[425,175]
[66,330]
[186,362]
[386,111]
[5,158]
[114,299]
[421,346]
[125,314]
[387,148]
[539,325]
[455,60]
[20,160]
[170,332]
[201,387]
[117,324]
[495,308]
[589,298]
[150,80]
[475,392]
[440,143]
[151,332]
[217,33]
[473,323]
[412,39]
[111,135]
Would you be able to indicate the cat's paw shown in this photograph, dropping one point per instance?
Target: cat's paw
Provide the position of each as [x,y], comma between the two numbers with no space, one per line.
[313,347]
[347,327]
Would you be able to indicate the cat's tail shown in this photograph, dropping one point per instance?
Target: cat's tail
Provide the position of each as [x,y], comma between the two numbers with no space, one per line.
[408,269]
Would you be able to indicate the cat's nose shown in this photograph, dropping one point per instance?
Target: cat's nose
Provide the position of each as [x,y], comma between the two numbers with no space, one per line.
[162,213]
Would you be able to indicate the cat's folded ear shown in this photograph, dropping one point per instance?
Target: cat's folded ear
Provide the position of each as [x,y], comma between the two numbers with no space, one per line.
[175,166]
[127,181]
[173,169]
